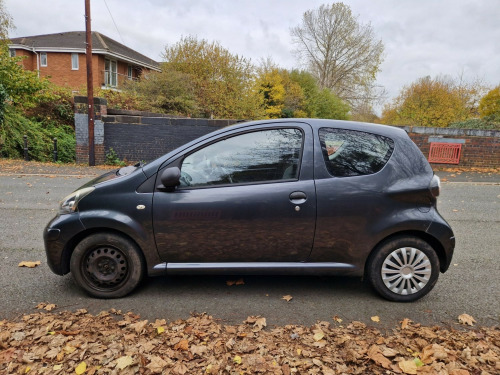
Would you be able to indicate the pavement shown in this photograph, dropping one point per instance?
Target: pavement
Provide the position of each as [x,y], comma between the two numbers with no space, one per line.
[470,202]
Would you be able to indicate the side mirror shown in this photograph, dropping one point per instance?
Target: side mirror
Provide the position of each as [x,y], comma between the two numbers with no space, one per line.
[170,178]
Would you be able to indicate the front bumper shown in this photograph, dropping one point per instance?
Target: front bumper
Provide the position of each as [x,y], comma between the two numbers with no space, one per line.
[59,238]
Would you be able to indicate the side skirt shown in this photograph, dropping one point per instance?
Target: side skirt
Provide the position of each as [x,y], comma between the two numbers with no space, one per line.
[256,268]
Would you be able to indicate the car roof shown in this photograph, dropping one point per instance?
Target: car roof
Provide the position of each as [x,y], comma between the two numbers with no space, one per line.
[387,130]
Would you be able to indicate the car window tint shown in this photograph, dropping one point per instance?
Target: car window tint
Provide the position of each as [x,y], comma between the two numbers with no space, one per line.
[269,155]
[354,153]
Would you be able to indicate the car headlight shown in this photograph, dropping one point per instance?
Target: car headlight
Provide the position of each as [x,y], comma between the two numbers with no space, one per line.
[69,204]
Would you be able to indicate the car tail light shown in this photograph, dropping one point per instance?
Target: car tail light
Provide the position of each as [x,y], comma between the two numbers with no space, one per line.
[435,186]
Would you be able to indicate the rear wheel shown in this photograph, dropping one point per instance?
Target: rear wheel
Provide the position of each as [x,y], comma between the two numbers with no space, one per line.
[107,265]
[403,269]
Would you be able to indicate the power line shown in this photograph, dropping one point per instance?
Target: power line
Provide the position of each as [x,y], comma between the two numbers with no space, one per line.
[116,27]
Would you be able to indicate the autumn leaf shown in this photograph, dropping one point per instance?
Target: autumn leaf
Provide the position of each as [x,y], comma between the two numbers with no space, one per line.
[405,323]
[139,326]
[68,349]
[198,349]
[318,335]
[375,354]
[466,319]
[388,352]
[81,368]
[7,355]
[337,319]
[287,298]
[182,345]
[156,364]
[29,264]
[237,359]
[124,362]
[160,330]
[408,367]
[418,362]
[46,306]
[375,319]
[180,368]
[258,322]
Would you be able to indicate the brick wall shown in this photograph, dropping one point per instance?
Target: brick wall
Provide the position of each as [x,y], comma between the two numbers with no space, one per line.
[137,136]
[480,148]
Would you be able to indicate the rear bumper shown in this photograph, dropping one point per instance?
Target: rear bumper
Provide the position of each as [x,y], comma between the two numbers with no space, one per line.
[440,230]
[57,237]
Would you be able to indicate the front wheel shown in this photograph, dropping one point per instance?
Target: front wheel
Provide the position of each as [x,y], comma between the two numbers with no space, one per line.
[403,269]
[107,265]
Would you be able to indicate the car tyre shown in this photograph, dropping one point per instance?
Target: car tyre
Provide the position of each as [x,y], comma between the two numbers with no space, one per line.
[107,265]
[403,269]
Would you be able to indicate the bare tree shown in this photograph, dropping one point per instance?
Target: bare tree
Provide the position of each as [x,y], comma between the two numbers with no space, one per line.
[343,54]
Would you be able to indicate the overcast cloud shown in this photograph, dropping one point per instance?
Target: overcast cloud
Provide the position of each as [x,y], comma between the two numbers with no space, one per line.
[421,37]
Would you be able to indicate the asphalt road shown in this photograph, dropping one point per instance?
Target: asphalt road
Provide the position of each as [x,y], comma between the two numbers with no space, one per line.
[471,285]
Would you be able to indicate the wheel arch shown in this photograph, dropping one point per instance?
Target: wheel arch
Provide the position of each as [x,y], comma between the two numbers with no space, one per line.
[431,240]
[73,242]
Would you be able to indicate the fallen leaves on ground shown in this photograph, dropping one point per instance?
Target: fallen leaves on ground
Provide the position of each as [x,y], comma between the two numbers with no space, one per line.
[29,264]
[287,298]
[466,319]
[113,342]
[18,166]
[459,170]
[337,319]
[46,306]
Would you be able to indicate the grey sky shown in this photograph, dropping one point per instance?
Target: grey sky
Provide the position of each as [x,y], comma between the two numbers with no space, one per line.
[421,37]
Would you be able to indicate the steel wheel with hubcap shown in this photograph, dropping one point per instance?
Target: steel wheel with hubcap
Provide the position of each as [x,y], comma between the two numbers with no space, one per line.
[107,265]
[403,269]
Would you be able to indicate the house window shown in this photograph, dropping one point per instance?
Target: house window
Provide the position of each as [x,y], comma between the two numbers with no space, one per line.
[129,72]
[43,59]
[110,73]
[74,61]
[12,52]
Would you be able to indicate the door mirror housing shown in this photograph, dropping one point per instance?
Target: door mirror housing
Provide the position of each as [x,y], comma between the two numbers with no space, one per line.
[170,178]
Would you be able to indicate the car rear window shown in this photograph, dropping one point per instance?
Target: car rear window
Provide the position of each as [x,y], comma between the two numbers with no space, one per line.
[354,153]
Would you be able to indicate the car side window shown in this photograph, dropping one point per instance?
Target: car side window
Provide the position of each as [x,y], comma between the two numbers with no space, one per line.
[260,156]
[354,153]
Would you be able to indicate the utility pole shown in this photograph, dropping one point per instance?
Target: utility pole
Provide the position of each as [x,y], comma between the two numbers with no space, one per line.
[90,82]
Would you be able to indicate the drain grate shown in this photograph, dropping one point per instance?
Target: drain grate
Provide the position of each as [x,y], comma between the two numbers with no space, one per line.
[445,153]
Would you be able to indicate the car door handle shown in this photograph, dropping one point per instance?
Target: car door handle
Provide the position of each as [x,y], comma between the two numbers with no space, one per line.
[298,197]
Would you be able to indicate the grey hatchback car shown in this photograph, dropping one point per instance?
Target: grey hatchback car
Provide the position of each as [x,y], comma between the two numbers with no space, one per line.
[290,196]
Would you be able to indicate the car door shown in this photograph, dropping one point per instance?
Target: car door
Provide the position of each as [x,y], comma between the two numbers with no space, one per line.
[244,197]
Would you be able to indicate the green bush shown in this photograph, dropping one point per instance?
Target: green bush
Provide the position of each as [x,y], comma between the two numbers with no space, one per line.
[491,122]
[112,158]
[53,104]
[40,138]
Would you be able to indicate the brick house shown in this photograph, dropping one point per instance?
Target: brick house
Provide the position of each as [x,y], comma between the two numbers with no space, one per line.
[61,58]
